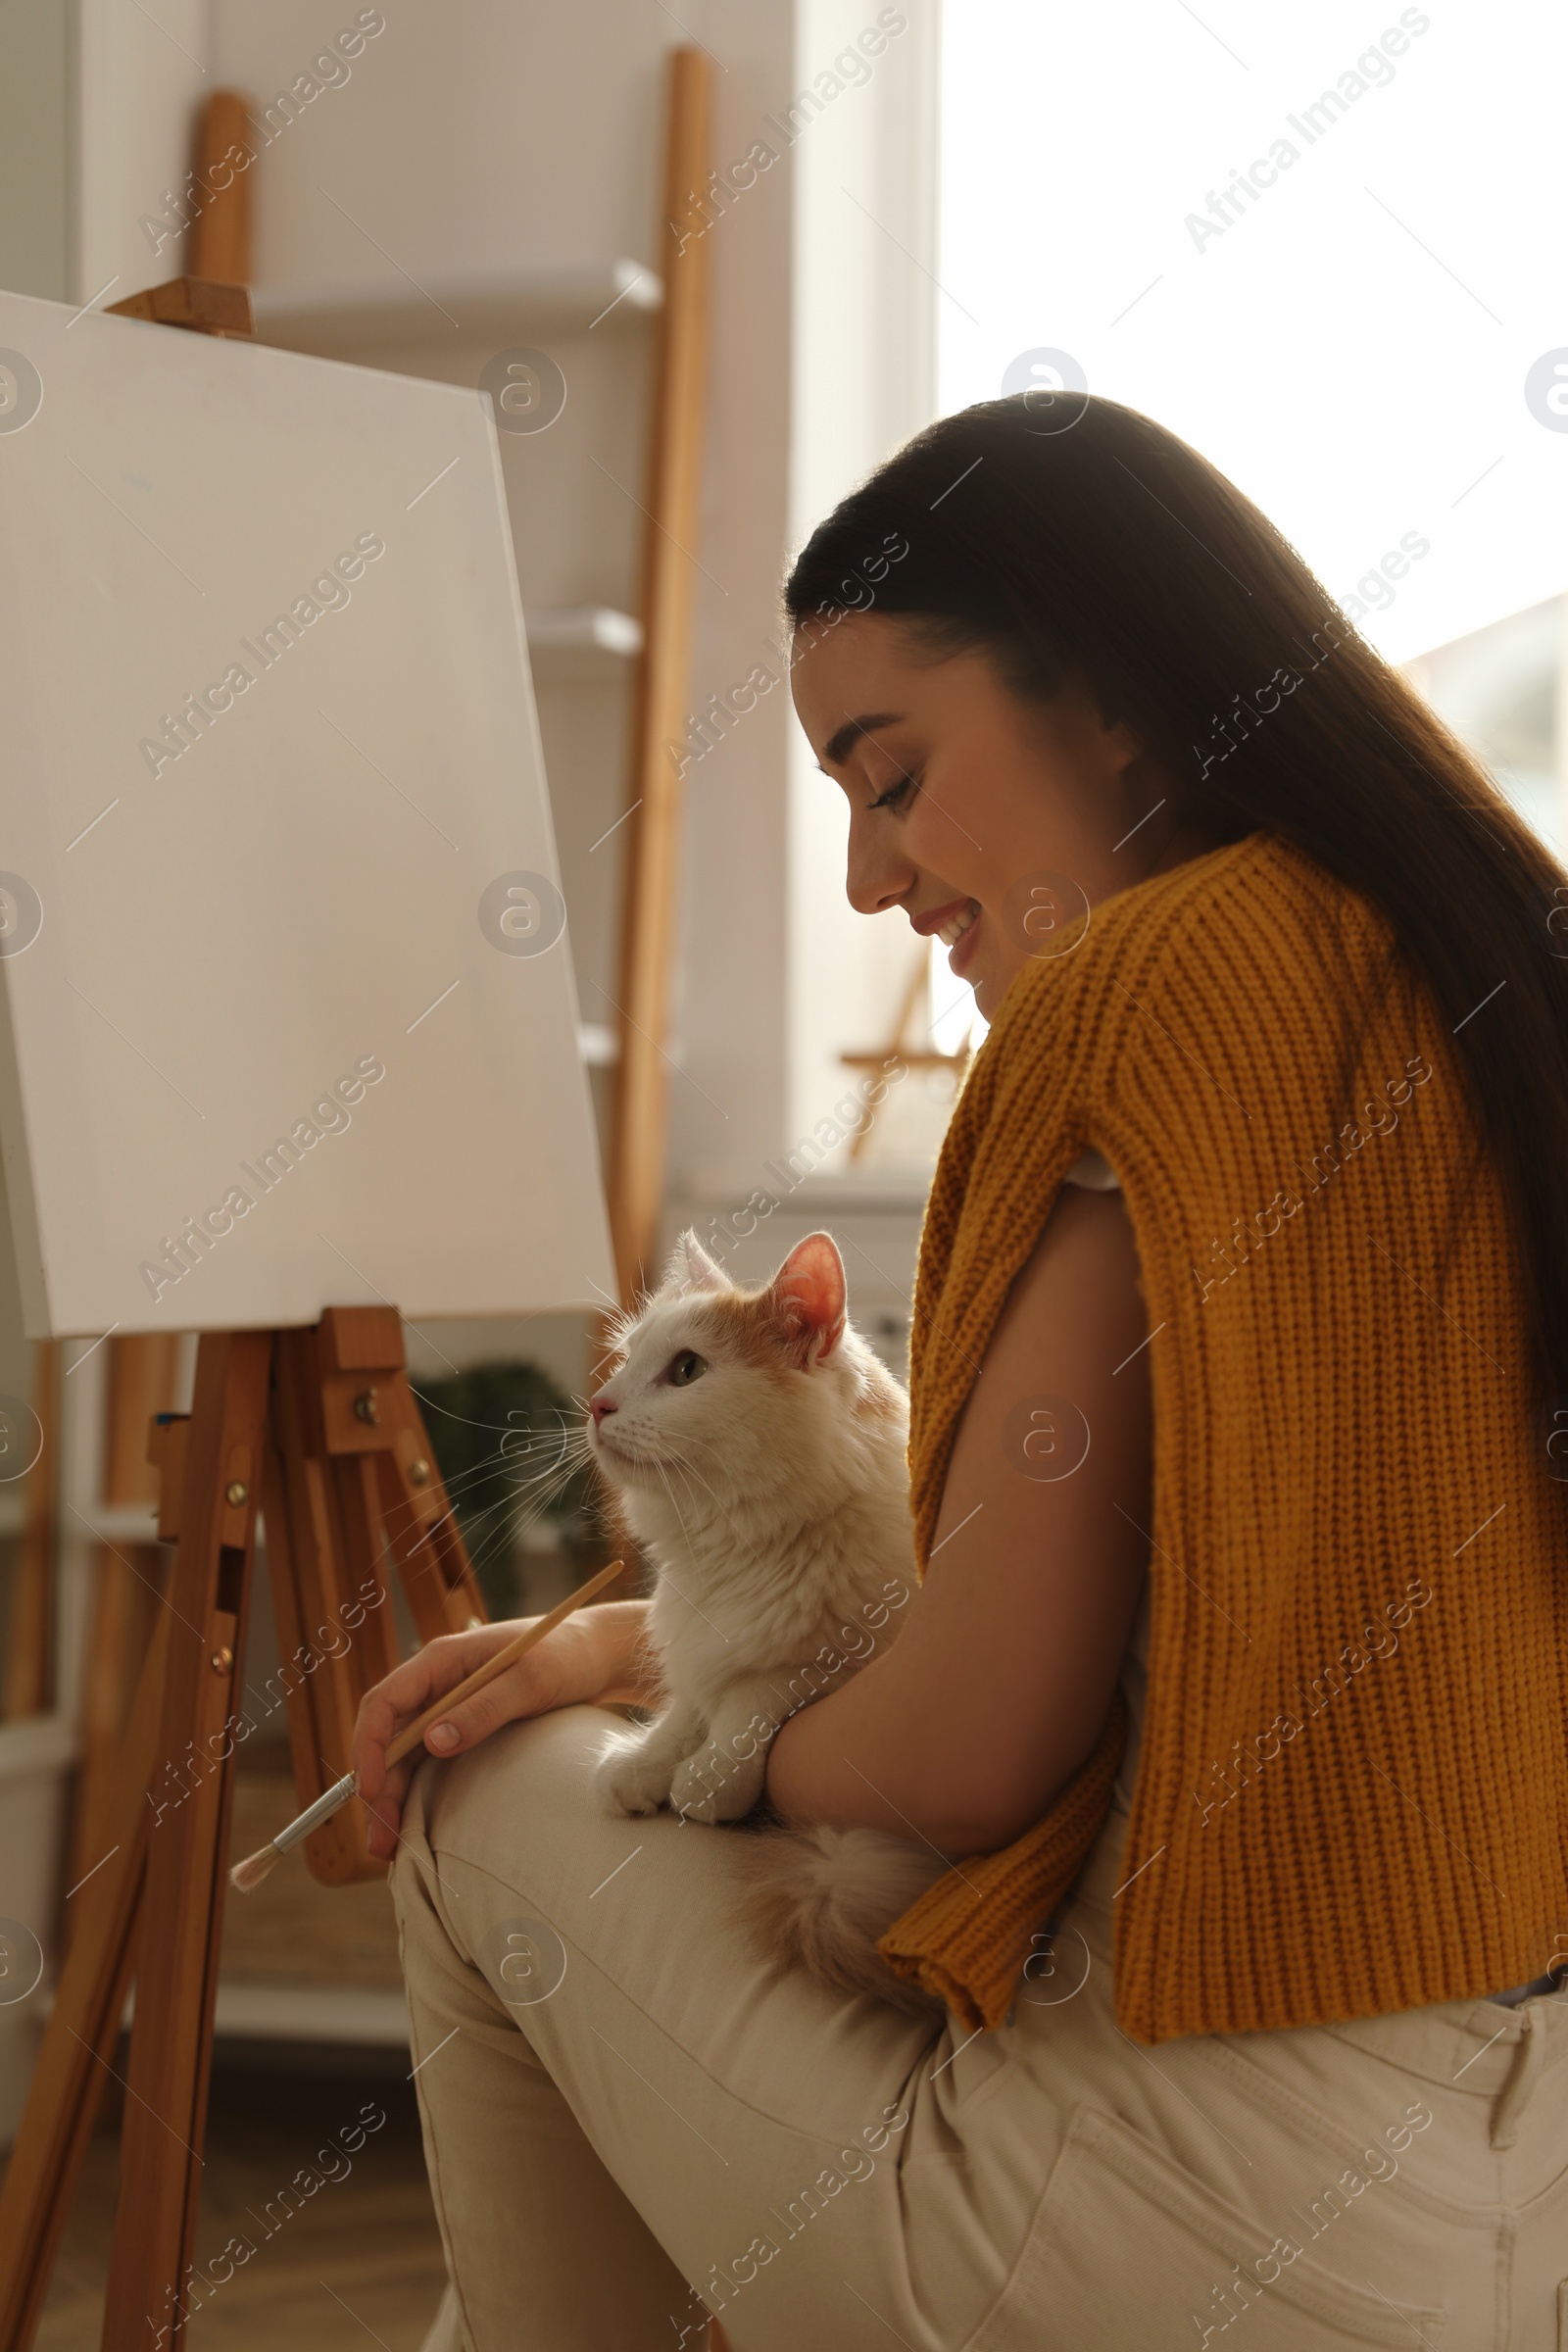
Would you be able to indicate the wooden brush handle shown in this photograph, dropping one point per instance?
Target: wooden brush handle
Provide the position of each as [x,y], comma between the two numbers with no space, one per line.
[409,1740]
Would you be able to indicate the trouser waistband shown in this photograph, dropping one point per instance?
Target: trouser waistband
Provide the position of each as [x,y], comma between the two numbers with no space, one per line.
[1463,2041]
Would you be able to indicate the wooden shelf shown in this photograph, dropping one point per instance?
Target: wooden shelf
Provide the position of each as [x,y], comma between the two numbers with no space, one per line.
[569,643]
[598,1045]
[269,2012]
[110,1523]
[343,321]
[312,2013]
[119,1523]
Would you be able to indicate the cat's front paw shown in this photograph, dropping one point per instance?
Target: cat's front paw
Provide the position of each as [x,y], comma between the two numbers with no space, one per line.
[628,1780]
[713,1784]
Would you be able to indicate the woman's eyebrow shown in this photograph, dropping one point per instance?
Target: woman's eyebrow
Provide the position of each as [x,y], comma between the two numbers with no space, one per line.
[839,746]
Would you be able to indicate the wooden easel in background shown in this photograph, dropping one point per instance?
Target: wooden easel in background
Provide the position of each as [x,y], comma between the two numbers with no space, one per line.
[913,1057]
[27,1676]
[635,1173]
[143,1366]
[214,298]
[320,1428]
[126,1584]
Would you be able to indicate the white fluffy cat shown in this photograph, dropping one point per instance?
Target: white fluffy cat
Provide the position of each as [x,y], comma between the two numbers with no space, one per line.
[758,1448]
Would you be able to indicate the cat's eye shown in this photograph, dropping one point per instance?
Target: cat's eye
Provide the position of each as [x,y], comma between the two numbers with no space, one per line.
[684,1368]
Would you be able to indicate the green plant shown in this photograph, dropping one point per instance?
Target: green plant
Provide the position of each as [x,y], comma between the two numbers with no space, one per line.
[508,1440]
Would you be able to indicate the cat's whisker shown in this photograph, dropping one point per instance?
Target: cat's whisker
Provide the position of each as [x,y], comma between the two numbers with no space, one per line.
[479,1474]
[510,1525]
[501,1428]
[562,1467]
[512,1487]
[527,1508]
[535,1506]
[469,1489]
[558,1441]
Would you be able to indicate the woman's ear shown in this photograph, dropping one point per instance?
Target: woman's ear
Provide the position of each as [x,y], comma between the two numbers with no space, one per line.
[807,1295]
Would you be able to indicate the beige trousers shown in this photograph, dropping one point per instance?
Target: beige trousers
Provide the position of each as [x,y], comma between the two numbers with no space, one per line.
[630,2121]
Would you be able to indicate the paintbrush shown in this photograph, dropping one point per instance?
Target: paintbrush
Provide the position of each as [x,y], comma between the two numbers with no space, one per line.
[252,1869]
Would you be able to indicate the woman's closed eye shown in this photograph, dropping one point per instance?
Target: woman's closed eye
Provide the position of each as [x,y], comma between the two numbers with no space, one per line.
[896,794]
[683,1369]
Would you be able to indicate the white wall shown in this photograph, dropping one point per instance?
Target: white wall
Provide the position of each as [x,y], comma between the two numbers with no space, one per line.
[36,149]
[139,76]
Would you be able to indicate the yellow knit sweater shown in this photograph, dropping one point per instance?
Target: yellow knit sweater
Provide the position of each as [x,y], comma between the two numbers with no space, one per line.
[1352,1791]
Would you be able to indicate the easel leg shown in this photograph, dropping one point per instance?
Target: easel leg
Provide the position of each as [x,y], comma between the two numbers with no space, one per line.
[79,2045]
[334,1634]
[25,1653]
[177,1973]
[351,1487]
[351,1482]
[126,1605]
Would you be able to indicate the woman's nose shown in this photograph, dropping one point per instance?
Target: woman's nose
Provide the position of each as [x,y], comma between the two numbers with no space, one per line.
[602,1404]
[876,876]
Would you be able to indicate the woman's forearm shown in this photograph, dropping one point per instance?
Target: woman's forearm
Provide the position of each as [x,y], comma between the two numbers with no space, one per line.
[997,1689]
[870,1757]
[812,1780]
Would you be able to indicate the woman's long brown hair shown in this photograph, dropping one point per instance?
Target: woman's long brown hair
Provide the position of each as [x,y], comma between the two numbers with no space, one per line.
[1076,538]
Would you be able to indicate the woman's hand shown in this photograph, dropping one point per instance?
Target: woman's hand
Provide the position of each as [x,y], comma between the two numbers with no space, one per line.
[594,1656]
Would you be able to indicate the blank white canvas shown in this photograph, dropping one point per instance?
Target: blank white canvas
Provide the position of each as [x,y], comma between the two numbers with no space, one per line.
[230,946]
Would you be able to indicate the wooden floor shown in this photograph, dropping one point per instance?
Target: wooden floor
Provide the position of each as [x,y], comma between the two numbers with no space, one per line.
[360,2262]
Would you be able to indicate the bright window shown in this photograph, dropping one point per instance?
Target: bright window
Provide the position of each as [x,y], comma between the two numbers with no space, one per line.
[1327,246]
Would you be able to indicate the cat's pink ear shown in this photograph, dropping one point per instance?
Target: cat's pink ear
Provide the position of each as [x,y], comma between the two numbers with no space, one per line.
[807,1295]
[690,1267]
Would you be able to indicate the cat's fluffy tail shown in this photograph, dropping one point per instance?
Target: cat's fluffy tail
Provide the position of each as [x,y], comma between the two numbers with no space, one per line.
[820,1898]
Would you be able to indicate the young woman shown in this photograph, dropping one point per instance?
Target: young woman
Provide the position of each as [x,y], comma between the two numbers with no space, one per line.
[1234,1683]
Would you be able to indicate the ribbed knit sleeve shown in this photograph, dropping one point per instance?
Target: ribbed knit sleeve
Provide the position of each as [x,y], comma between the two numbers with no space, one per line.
[1356,1574]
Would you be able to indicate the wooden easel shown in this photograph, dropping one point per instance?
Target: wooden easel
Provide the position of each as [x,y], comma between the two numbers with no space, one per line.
[213,300]
[25,1668]
[320,1428]
[126,1587]
[635,1172]
[914,1058]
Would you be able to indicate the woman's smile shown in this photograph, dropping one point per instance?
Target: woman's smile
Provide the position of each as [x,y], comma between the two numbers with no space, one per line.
[960,938]
[950,924]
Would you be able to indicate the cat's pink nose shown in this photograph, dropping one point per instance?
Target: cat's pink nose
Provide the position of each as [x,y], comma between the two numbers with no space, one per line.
[599,1407]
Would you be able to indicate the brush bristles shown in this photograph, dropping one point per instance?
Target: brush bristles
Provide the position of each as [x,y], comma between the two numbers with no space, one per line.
[252,1869]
